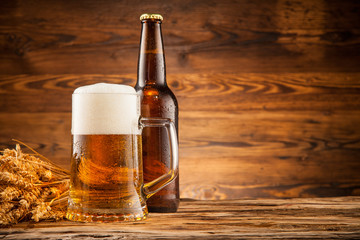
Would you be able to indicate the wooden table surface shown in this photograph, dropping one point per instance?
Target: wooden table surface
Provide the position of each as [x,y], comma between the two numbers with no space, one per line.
[305,218]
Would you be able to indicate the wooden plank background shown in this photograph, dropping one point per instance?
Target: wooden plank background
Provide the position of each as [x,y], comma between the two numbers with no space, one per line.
[269,91]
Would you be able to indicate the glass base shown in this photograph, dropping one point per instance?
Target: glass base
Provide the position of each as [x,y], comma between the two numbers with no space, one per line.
[107,215]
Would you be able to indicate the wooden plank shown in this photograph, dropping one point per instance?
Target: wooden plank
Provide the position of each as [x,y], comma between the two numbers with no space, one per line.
[309,218]
[288,91]
[323,92]
[38,37]
[48,93]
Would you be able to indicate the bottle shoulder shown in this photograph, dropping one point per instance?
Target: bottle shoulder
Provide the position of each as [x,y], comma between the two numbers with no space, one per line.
[155,92]
[158,102]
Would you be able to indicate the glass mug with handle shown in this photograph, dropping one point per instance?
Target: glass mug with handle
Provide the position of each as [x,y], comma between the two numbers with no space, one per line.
[106,183]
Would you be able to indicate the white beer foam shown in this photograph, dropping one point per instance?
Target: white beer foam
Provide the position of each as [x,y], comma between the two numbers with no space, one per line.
[105,88]
[105,109]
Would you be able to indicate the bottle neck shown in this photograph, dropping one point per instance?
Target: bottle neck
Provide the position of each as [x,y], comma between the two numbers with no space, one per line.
[151,65]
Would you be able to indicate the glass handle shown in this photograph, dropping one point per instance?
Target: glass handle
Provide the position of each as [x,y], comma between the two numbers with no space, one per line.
[156,185]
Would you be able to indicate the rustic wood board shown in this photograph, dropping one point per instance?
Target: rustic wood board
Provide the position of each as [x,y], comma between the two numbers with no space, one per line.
[323,92]
[307,218]
[58,37]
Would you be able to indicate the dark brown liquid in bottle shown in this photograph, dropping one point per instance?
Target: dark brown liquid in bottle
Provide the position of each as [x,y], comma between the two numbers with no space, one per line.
[157,101]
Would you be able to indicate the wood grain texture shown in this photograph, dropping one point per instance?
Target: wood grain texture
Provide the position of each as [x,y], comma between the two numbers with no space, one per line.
[82,37]
[241,135]
[269,91]
[308,218]
[322,92]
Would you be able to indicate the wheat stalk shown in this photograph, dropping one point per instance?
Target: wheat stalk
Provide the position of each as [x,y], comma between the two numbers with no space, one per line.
[32,187]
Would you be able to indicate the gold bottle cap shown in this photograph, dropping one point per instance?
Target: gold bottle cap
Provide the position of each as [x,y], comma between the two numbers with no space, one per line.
[151,16]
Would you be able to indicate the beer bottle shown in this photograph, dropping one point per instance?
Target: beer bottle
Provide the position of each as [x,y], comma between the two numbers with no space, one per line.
[157,101]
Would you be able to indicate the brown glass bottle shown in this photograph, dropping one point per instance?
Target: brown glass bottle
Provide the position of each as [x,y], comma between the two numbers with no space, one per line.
[157,101]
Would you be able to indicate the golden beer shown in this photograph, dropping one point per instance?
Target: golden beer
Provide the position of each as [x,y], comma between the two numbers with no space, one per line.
[107,178]
[106,182]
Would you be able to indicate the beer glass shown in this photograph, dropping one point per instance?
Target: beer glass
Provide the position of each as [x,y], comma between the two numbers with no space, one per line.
[106,183]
